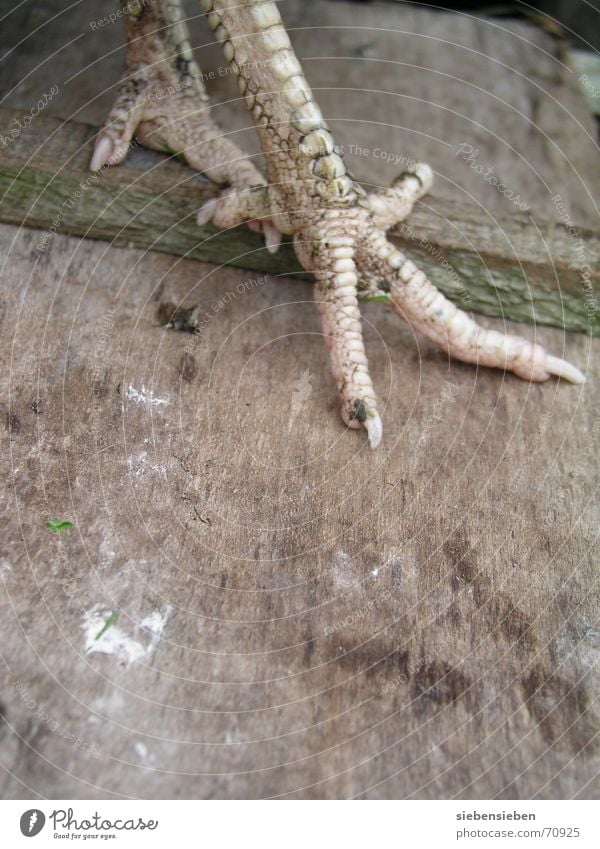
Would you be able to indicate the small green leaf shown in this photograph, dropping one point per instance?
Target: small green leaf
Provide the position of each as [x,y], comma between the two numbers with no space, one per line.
[174,153]
[58,525]
[380,299]
[110,621]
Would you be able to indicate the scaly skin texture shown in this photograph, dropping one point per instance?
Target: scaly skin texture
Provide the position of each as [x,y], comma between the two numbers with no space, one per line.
[161,100]
[338,230]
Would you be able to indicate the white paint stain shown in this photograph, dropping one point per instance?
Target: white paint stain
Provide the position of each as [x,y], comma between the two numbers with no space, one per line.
[145,756]
[111,704]
[106,554]
[155,623]
[144,396]
[341,571]
[115,642]
[138,464]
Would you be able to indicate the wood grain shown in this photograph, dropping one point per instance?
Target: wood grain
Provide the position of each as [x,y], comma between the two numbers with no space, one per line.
[514,266]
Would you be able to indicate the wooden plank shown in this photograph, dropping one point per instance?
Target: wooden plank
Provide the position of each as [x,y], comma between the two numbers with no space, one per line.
[421,621]
[512,266]
[402,80]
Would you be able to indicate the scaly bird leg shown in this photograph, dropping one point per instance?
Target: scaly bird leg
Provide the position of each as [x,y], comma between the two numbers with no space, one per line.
[415,299]
[310,194]
[390,206]
[332,260]
[161,100]
[339,231]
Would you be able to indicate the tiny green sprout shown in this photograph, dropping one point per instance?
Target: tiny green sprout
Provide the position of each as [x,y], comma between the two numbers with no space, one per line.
[58,525]
[376,299]
[174,154]
[110,621]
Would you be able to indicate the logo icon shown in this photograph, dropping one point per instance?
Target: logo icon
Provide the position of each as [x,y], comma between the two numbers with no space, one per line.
[32,822]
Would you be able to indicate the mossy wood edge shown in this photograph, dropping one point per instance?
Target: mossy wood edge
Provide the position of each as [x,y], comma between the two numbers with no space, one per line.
[509,266]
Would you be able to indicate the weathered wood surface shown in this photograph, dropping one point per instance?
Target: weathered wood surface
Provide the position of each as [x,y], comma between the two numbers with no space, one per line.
[505,265]
[421,621]
[391,81]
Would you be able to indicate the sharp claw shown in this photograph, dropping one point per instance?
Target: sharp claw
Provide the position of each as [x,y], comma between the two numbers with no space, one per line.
[272,237]
[561,368]
[425,174]
[374,428]
[206,211]
[103,151]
